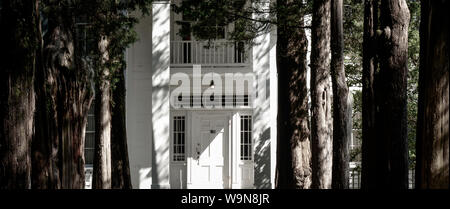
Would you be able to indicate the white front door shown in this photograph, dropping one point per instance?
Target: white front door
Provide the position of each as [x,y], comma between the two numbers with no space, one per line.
[209,165]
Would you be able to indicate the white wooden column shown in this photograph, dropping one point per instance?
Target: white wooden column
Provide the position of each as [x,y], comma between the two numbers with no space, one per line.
[235,182]
[273,105]
[264,121]
[160,94]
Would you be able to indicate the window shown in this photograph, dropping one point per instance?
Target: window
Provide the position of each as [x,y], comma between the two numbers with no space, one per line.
[185,32]
[179,138]
[90,137]
[220,31]
[246,137]
[239,52]
[86,41]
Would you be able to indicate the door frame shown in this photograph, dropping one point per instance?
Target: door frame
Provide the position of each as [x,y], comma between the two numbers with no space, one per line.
[232,135]
[194,117]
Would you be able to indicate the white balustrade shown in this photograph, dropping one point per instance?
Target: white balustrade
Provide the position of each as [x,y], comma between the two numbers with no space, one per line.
[208,52]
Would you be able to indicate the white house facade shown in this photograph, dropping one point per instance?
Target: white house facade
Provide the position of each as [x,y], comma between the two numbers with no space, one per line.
[175,139]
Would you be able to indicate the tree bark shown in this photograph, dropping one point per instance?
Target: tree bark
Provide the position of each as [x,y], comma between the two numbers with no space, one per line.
[102,154]
[432,158]
[368,177]
[20,42]
[119,149]
[321,121]
[68,93]
[294,152]
[391,97]
[45,146]
[341,119]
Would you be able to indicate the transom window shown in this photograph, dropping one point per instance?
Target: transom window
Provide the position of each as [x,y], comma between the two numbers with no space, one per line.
[227,101]
[179,138]
[246,137]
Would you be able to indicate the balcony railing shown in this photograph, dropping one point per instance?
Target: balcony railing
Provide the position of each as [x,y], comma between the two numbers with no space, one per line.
[208,53]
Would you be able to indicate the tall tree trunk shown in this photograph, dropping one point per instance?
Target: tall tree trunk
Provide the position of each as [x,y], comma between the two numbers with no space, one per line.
[102,154]
[294,152]
[68,91]
[321,121]
[368,177]
[341,118]
[76,104]
[45,146]
[432,165]
[391,97]
[20,42]
[119,149]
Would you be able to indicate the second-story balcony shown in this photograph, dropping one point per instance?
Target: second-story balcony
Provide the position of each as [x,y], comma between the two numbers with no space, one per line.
[213,53]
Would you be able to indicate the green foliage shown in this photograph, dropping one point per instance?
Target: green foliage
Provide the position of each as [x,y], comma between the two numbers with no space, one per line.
[353,39]
[413,77]
[353,20]
[206,18]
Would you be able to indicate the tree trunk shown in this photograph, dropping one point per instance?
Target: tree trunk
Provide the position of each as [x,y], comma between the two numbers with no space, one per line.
[321,121]
[102,154]
[68,93]
[119,149]
[391,97]
[75,97]
[20,42]
[341,119]
[45,146]
[432,165]
[368,177]
[294,152]
[73,129]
